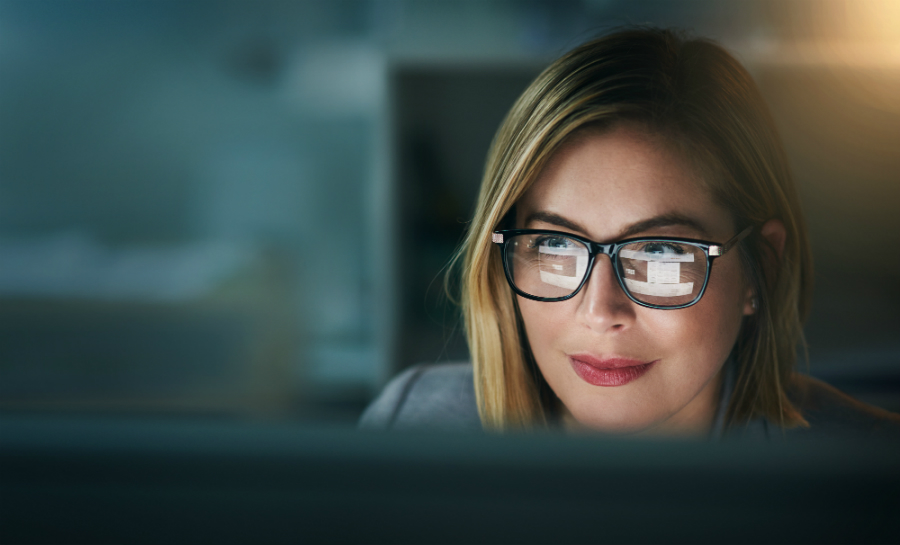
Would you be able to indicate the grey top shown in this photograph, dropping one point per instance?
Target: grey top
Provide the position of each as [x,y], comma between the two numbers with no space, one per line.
[432,396]
[443,397]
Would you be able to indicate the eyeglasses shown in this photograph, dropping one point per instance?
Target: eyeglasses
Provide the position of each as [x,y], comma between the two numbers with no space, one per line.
[658,272]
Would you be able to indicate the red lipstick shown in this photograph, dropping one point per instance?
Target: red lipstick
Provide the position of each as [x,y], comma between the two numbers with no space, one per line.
[613,371]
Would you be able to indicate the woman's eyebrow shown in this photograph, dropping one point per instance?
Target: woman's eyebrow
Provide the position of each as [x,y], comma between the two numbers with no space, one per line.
[664,220]
[554,219]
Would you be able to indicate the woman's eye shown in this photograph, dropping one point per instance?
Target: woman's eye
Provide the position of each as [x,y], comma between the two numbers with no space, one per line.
[552,242]
[661,247]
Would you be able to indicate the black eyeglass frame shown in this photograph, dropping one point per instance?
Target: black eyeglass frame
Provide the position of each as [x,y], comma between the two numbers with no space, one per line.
[711,249]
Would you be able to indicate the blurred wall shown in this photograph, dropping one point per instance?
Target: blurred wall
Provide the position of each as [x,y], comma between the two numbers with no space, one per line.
[245,207]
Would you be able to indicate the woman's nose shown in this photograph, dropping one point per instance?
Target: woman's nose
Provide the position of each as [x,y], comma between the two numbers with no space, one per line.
[604,306]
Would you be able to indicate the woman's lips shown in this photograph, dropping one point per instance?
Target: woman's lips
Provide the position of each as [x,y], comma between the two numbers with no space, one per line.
[608,371]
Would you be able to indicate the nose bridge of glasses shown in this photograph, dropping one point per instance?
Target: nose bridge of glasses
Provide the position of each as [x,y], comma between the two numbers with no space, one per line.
[607,278]
[598,249]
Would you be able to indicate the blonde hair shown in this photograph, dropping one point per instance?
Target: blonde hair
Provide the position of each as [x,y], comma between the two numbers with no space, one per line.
[702,101]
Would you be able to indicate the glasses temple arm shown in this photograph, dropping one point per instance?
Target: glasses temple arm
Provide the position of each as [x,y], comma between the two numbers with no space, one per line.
[719,250]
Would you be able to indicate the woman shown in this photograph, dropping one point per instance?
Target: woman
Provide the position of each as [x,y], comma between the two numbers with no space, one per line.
[637,263]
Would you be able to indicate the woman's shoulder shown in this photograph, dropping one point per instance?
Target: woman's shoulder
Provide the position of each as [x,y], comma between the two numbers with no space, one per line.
[426,396]
[831,412]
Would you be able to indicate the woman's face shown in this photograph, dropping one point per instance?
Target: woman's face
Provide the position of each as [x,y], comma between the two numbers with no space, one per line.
[603,186]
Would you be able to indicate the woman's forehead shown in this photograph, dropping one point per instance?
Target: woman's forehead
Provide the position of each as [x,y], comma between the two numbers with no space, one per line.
[613,179]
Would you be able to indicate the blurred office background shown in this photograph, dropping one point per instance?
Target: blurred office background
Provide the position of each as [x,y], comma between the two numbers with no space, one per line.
[245,207]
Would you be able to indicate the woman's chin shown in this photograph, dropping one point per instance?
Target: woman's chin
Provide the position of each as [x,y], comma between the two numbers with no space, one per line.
[611,426]
[658,428]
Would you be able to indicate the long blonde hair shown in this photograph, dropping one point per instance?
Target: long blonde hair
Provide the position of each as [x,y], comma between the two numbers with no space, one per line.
[705,103]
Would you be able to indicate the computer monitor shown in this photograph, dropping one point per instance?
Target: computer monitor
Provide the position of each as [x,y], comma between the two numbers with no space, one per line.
[133,480]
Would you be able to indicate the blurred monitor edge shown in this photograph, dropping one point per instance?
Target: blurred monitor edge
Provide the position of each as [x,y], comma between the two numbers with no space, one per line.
[90,480]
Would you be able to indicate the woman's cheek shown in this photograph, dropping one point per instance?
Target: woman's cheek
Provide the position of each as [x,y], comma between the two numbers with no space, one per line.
[547,327]
[712,325]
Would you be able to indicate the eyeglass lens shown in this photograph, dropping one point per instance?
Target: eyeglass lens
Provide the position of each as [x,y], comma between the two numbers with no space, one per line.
[657,272]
